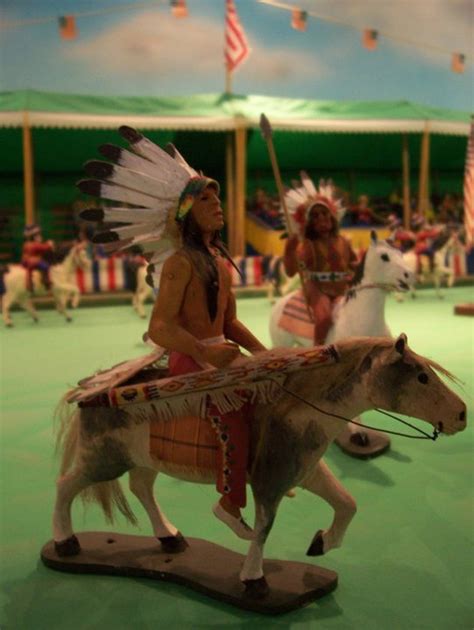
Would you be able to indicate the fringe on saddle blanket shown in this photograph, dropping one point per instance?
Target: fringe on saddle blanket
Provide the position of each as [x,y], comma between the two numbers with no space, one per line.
[249,379]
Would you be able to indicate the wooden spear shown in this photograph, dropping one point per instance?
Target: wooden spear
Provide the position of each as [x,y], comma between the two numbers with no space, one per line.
[267,134]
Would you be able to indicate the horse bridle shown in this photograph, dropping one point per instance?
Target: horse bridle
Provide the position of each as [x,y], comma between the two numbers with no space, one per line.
[424,436]
[386,286]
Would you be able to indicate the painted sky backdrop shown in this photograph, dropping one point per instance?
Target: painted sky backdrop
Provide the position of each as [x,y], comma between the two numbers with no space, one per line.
[146,51]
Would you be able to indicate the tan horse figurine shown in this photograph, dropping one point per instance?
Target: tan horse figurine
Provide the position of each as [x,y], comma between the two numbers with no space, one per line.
[64,287]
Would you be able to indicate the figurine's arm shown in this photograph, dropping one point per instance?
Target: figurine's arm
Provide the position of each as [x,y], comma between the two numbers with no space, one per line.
[236,331]
[164,328]
[290,260]
[298,255]
[353,260]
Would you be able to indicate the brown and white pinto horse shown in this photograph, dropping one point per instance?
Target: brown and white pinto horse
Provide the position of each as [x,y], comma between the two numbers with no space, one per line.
[289,437]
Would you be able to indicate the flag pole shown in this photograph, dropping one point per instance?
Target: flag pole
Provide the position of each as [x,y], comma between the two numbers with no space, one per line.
[228,80]
[406,183]
[267,132]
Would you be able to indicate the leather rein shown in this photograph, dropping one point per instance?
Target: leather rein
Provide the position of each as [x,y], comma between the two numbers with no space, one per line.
[423,436]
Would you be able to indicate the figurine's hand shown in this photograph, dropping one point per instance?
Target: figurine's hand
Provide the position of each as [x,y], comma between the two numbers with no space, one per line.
[220,355]
[292,243]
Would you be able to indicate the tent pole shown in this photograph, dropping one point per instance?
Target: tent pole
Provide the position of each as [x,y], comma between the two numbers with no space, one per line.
[423,189]
[406,182]
[230,189]
[28,172]
[240,189]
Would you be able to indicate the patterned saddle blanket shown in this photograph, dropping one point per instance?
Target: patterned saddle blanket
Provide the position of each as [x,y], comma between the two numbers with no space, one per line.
[295,318]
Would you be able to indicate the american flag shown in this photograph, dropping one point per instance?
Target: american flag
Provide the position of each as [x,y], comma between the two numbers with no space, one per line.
[236,46]
[469,189]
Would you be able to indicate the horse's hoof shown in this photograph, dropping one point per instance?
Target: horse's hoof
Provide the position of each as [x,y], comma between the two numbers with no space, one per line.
[360,438]
[316,547]
[36,320]
[173,544]
[68,547]
[256,589]
[9,325]
[69,320]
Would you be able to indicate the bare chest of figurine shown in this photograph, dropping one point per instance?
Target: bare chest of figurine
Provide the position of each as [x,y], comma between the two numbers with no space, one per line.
[195,315]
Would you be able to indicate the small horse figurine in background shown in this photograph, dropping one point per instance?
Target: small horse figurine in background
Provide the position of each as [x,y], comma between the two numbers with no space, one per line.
[361,312]
[448,242]
[143,291]
[63,264]
[289,436]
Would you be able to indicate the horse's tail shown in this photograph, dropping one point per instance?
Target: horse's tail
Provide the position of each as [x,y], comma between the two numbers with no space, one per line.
[108,494]
[3,270]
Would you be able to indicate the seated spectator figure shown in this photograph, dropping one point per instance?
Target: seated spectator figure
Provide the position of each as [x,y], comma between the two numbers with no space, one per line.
[259,203]
[447,210]
[395,203]
[400,238]
[34,250]
[363,214]
[266,208]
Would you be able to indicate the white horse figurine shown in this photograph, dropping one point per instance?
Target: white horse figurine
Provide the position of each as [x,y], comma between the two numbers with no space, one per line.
[289,438]
[442,272]
[63,285]
[361,312]
[143,291]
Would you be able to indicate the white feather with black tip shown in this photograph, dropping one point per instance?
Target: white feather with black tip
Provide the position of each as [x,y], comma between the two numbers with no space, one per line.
[145,183]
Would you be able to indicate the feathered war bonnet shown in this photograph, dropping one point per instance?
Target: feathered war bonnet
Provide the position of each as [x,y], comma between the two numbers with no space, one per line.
[154,188]
[301,199]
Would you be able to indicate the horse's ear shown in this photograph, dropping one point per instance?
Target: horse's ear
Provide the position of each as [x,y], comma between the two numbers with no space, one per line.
[396,351]
[373,237]
[401,343]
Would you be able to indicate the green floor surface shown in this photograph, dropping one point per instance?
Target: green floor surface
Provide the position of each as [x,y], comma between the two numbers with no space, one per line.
[407,561]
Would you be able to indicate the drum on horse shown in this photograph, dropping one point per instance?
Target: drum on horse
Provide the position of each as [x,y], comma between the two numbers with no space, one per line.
[63,264]
[440,271]
[291,430]
[361,312]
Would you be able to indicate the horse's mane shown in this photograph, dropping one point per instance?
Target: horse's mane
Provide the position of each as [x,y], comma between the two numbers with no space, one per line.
[350,355]
[359,271]
[435,366]
[58,254]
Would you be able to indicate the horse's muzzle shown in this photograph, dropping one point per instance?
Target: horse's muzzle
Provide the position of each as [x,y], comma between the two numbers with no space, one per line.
[458,425]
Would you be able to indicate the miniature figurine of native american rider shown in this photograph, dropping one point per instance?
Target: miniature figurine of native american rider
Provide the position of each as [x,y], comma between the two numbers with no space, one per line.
[194,316]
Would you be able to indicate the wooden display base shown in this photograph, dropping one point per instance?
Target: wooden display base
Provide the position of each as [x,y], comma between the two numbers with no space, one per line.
[464,309]
[203,567]
[378,443]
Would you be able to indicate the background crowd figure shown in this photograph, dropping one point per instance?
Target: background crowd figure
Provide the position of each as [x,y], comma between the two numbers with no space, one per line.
[422,236]
[365,211]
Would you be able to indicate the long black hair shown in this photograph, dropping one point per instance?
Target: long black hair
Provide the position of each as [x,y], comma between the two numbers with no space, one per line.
[203,261]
